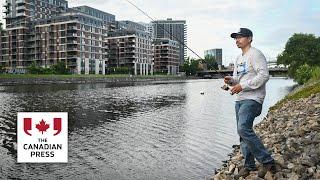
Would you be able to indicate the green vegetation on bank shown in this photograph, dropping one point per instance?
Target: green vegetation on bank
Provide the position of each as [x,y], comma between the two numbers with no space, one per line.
[302,56]
[191,66]
[308,89]
[59,68]
[83,76]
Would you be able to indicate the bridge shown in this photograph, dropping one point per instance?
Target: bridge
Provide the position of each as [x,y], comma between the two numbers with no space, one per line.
[274,72]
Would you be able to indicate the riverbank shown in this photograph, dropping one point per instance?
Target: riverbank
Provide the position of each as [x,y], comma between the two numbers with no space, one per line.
[81,79]
[291,132]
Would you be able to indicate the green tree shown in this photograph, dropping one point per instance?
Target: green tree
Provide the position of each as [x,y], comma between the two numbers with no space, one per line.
[190,66]
[300,49]
[303,74]
[1,69]
[211,62]
[315,73]
[34,69]
[60,68]
[120,70]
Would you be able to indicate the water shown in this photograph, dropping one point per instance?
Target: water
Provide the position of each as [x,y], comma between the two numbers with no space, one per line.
[134,131]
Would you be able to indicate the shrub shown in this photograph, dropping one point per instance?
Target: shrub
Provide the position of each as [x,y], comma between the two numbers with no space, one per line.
[303,74]
[315,74]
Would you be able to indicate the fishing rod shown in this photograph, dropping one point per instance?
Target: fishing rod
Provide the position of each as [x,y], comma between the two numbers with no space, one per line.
[224,87]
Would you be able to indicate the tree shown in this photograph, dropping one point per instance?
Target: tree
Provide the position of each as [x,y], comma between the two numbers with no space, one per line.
[303,74]
[1,69]
[300,49]
[190,66]
[34,69]
[211,62]
[60,68]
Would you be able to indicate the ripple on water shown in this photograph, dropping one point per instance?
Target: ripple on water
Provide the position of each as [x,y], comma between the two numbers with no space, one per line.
[161,131]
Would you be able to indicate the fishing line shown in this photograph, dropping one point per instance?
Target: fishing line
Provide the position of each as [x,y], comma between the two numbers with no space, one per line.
[181,42]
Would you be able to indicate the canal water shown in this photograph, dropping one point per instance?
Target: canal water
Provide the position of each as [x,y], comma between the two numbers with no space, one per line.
[130,131]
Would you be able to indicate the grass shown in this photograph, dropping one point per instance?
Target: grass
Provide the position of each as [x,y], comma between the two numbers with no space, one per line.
[312,87]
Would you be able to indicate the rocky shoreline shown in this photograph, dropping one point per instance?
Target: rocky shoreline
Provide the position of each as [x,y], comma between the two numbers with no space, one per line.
[291,132]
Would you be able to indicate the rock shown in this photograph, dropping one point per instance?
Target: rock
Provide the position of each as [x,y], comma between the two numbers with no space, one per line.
[299,169]
[231,168]
[256,178]
[294,176]
[236,146]
[220,176]
[307,161]
[279,160]
[316,175]
[304,177]
[236,171]
[311,170]
[237,158]
[269,176]
[290,166]
[279,175]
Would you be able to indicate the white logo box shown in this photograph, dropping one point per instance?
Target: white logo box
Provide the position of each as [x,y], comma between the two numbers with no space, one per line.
[42,137]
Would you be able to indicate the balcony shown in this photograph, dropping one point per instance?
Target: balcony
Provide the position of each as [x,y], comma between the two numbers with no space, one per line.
[72,55]
[20,2]
[20,8]
[72,35]
[72,49]
[72,28]
[72,42]
[21,14]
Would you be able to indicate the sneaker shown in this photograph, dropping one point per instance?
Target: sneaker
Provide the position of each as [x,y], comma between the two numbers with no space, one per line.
[244,172]
[271,167]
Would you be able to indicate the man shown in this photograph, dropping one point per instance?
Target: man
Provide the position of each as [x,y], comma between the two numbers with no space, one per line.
[249,78]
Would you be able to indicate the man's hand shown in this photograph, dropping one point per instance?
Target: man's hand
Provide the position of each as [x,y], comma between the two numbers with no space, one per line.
[227,79]
[236,89]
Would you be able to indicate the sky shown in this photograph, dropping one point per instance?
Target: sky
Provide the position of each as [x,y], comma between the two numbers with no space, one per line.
[210,22]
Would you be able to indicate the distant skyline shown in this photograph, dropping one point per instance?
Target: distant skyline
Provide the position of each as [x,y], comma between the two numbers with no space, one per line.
[210,22]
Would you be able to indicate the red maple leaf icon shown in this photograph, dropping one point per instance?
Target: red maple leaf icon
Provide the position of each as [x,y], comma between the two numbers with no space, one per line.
[42,126]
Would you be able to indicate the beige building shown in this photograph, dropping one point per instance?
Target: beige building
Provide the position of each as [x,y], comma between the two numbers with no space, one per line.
[132,48]
[166,56]
[48,32]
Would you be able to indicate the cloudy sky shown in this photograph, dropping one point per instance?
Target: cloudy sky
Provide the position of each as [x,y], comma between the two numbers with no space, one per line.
[210,22]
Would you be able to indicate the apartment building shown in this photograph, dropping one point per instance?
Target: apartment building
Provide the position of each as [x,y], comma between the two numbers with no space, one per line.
[55,33]
[19,16]
[73,38]
[175,30]
[130,46]
[166,56]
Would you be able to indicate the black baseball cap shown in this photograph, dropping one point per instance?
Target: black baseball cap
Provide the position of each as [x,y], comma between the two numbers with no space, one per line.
[245,32]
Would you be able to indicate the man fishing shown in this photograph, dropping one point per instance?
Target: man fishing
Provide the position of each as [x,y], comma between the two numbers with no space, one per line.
[248,82]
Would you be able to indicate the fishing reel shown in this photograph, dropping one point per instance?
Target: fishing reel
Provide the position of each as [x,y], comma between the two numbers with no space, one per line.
[226,88]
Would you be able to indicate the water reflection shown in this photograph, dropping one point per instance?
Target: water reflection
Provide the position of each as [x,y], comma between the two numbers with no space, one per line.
[133,131]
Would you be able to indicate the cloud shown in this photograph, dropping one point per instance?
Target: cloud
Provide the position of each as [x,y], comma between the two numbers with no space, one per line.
[210,22]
